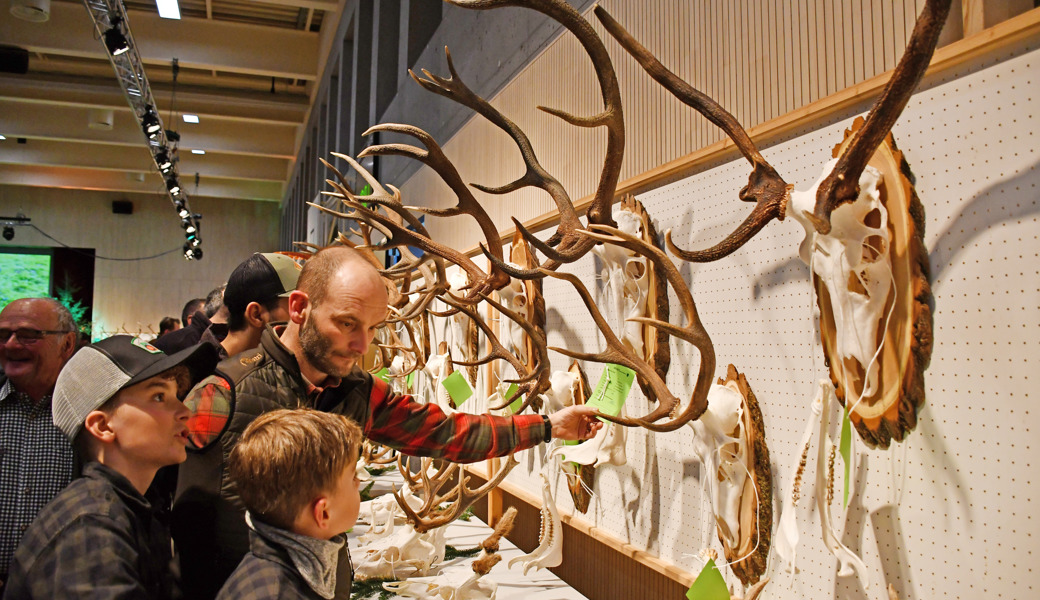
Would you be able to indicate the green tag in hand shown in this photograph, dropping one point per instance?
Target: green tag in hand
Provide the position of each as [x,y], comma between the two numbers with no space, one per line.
[612,390]
[458,388]
[846,450]
[383,374]
[709,585]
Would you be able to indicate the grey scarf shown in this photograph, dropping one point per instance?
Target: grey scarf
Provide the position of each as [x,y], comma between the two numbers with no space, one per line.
[315,559]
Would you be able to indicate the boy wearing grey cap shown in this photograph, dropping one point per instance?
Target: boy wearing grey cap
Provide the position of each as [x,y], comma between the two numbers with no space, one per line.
[118,402]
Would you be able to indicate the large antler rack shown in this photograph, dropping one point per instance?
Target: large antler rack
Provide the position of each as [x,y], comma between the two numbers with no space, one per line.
[431,514]
[392,225]
[765,187]
[616,352]
[434,158]
[530,382]
[570,246]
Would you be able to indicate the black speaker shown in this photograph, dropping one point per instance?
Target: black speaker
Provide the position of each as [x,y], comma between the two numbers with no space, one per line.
[122,207]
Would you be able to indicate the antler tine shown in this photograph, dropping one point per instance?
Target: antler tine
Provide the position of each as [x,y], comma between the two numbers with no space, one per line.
[536,382]
[693,331]
[462,498]
[497,350]
[842,185]
[612,116]
[617,353]
[339,174]
[434,157]
[409,478]
[765,186]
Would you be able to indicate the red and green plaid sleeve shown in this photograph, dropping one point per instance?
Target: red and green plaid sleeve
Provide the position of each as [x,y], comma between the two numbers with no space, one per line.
[425,430]
[210,406]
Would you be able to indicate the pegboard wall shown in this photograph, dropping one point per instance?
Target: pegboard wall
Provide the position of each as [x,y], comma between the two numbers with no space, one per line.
[945,514]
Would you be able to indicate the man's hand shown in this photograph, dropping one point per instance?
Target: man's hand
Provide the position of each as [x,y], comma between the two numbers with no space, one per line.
[575,423]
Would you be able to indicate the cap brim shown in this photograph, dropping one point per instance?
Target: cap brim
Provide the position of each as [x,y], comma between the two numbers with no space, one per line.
[200,360]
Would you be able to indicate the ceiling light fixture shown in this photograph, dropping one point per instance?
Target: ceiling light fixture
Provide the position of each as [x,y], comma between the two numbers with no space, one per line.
[196,151]
[190,118]
[168,9]
[34,11]
[112,26]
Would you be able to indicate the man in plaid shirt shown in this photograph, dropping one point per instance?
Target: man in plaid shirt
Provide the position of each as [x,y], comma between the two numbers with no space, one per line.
[339,303]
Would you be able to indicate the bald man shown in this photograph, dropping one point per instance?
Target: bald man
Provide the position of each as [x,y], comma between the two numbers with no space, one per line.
[37,337]
[339,302]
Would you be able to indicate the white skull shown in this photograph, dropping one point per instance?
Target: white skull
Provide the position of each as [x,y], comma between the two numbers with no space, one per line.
[514,297]
[854,265]
[405,551]
[562,387]
[628,280]
[722,449]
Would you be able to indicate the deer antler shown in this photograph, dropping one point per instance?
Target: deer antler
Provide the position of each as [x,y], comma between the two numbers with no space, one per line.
[842,185]
[571,246]
[765,187]
[430,515]
[616,352]
[531,382]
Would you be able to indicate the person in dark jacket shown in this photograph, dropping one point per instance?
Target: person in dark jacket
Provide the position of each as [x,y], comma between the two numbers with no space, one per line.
[211,318]
[339,302]
[295,473]
[118,402]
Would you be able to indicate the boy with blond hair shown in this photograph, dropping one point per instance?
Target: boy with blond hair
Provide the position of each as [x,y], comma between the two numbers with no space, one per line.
[295,473]
[118,402]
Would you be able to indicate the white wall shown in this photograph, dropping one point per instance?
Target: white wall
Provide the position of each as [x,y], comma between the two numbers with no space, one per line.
[133,296]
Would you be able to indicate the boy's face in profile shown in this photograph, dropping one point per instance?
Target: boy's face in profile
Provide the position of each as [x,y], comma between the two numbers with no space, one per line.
[344,501]
[150,422]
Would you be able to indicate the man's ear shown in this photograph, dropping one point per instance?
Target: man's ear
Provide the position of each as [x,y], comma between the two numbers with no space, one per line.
[299,306]
[254,315]
[98,425]
[68,346]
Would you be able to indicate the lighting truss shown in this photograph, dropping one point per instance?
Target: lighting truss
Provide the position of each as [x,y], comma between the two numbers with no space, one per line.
[109,15]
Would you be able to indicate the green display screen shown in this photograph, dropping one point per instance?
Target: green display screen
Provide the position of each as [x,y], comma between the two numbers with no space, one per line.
[24,276]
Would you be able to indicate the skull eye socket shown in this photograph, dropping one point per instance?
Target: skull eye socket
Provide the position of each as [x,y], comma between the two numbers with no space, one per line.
[521,301]
[872,219]
[635,269]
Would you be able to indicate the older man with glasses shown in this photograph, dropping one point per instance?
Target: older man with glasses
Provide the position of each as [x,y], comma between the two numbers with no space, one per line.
[37,337]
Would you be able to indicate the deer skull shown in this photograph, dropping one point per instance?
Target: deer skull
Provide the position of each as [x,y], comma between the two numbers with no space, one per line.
[514,297]
[628,280]
[853,263]
[403,551]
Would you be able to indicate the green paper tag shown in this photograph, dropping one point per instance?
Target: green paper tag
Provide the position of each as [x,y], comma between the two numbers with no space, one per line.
[709,584]
[409,380]
[515,405]
[383,374]
[458,388]
[612,390]
[846,451]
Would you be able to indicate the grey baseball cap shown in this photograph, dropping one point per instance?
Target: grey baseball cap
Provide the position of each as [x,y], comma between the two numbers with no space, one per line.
[97,372]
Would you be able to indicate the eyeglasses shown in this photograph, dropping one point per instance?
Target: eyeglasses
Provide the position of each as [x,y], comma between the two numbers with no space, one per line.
[24,335]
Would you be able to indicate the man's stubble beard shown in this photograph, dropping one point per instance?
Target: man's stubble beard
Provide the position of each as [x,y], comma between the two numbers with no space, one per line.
[316,348]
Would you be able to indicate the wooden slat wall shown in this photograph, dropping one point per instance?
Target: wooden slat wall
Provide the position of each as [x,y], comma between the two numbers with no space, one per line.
[759,59]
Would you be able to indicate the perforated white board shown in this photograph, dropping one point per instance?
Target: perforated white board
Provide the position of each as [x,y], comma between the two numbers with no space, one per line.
[948,513]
